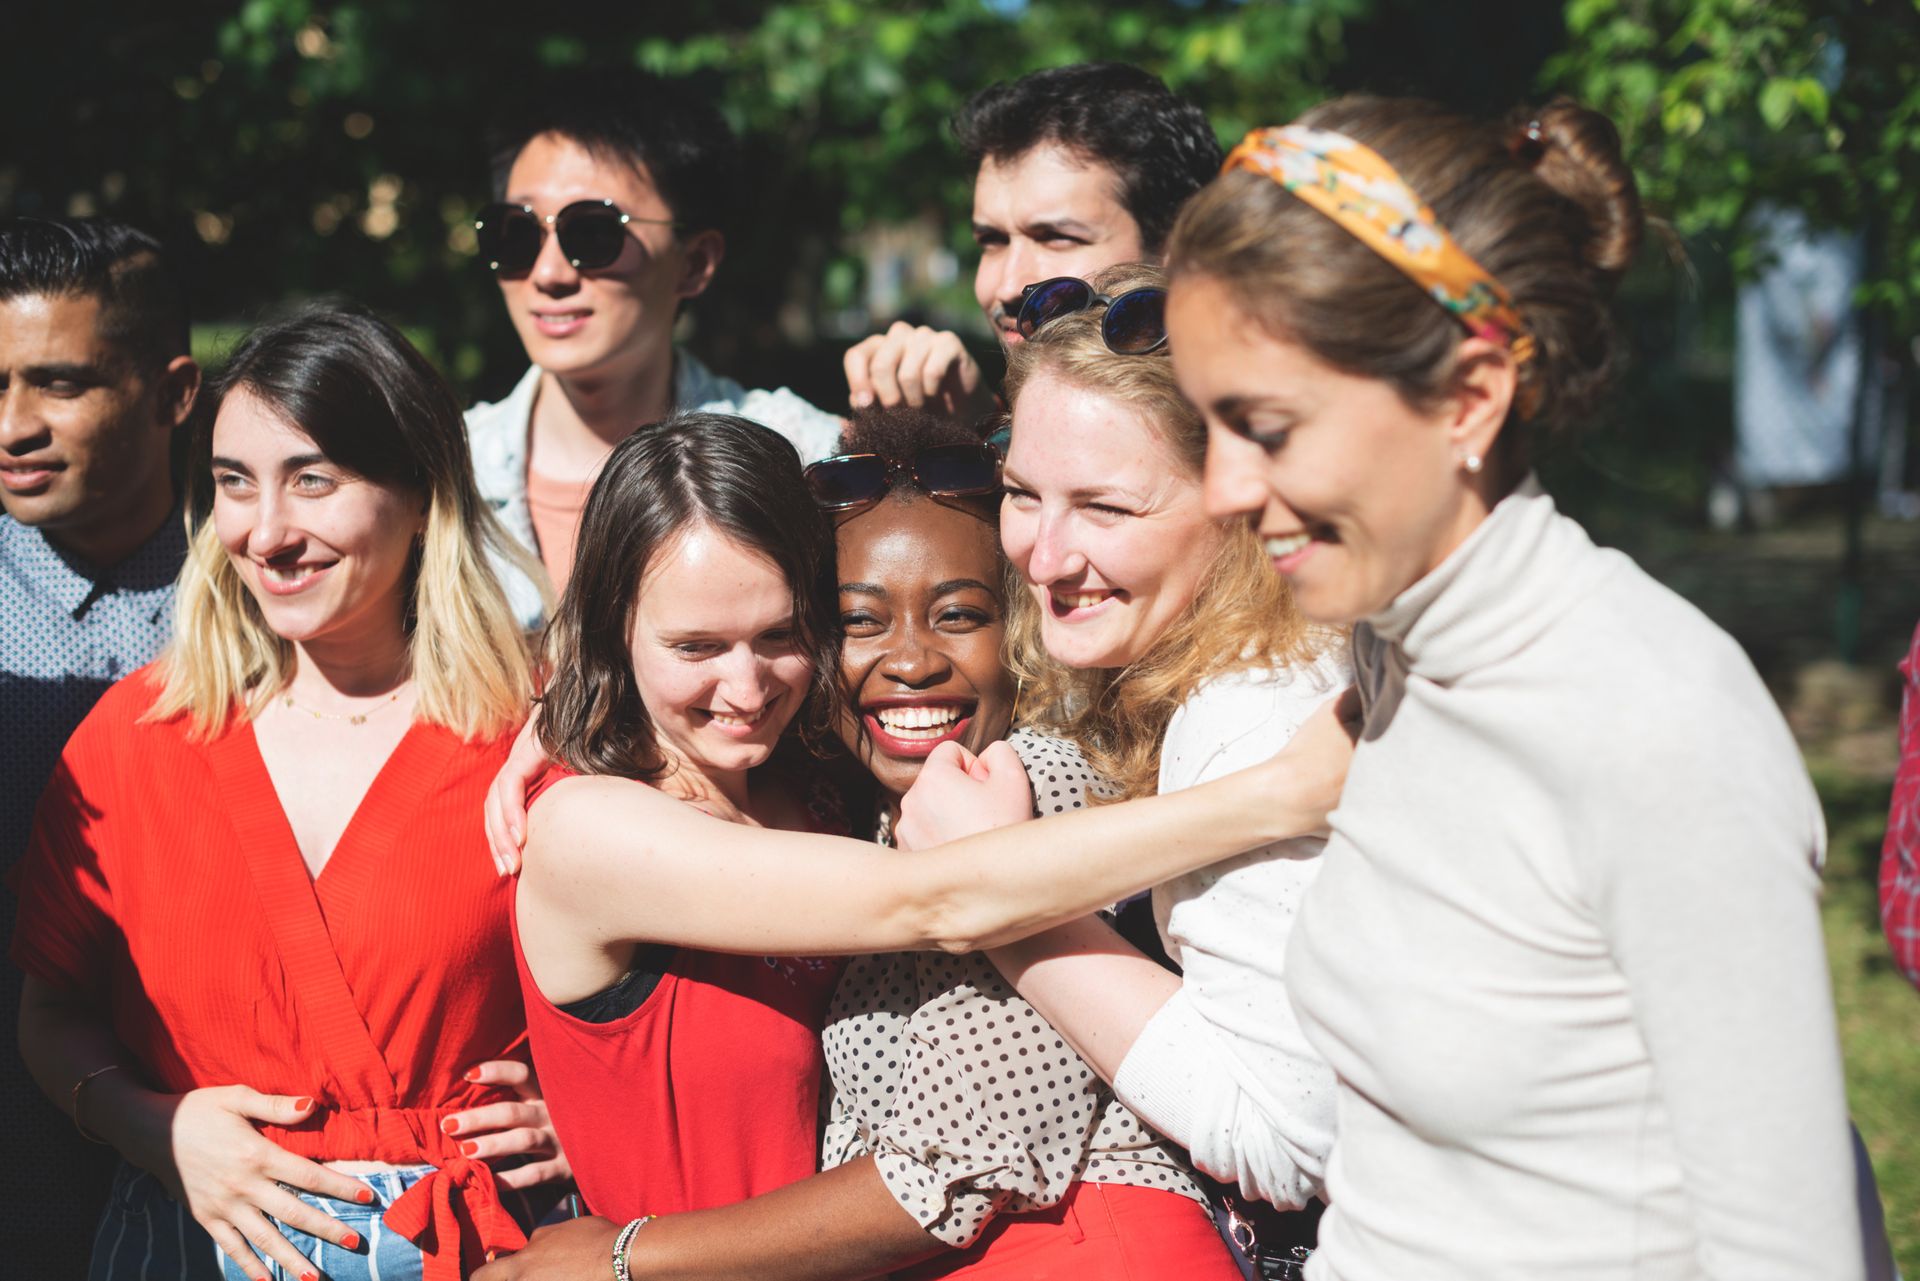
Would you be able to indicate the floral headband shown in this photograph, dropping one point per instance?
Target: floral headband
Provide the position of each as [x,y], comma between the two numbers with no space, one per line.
[1350,183]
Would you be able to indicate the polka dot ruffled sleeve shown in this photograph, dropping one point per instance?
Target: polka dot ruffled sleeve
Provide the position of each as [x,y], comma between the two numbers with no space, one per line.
[969,1102]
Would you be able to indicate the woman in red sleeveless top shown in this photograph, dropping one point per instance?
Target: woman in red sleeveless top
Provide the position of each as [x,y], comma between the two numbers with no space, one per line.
[260,961]
[684,1078]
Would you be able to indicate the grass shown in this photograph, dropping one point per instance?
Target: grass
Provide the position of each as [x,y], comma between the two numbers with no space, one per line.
[1879,1011]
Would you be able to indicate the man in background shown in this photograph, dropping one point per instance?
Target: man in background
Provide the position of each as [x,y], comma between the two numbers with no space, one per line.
[95,383]
[614,192]
[1076,169]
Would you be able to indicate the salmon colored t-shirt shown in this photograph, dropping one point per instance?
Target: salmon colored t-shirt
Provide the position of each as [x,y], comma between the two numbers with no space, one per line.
[555,506]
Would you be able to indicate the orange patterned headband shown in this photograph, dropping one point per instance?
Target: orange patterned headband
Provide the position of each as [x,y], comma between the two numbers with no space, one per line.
[1350,183]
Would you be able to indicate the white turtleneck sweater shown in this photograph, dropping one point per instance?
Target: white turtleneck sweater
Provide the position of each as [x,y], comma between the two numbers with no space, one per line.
[1564,954]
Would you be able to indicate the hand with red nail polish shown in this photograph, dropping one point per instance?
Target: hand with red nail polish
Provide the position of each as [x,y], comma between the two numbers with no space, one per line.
[211,1157]
[519,1127]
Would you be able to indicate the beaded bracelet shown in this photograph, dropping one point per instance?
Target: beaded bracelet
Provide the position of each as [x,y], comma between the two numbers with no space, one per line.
[620,1244]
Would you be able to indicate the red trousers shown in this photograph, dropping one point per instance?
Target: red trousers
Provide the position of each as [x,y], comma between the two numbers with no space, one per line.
[1098,1232]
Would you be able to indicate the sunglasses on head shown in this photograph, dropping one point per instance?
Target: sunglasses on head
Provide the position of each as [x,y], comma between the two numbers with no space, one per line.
[1135,323]
[592,233]
[854,481]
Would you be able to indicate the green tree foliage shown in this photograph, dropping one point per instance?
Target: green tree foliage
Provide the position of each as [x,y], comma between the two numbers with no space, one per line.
[297,147]
[1724,104]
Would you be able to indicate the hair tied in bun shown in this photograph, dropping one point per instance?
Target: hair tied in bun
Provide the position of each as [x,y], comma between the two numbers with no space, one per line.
[1529,143]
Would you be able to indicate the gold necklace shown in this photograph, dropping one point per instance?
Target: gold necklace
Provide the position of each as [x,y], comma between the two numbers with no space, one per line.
[351,718]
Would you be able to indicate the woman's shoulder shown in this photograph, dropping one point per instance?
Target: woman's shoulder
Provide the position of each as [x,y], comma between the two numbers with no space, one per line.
[1242,717]
[1062,779]
[1257,695]
[547,779]
[1636,653]
[123,707]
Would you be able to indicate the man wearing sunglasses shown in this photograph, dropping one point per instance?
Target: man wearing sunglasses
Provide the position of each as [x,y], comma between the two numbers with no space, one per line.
[1076,169]
[612,192]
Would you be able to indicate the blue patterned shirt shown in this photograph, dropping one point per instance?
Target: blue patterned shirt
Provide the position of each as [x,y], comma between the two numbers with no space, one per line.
[69,631]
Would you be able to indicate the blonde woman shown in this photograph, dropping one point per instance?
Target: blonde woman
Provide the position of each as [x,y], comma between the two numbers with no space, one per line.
[264,960]
[1160,641]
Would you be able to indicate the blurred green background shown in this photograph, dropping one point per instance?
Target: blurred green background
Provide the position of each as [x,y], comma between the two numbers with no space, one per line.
[290,148]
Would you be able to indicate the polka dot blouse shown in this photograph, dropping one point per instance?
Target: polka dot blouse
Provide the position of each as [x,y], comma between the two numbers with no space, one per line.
[969,1102]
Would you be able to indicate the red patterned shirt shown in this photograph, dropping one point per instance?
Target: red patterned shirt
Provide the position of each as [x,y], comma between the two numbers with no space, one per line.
[1900,857]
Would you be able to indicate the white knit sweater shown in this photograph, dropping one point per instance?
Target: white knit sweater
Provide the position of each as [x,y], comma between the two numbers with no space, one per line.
[1565,955]
[1223,1067]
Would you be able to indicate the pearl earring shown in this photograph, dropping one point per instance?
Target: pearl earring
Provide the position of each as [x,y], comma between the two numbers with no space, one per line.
[1472,464]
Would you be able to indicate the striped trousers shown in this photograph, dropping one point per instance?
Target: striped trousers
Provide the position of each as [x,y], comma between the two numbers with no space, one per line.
[146,1235]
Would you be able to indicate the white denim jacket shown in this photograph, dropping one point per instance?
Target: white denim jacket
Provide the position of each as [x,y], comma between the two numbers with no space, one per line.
[497,433]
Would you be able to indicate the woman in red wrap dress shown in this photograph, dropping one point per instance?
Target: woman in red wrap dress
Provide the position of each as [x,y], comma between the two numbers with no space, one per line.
[264,960]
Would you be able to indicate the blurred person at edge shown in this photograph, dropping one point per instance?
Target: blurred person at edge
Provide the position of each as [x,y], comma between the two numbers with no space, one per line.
[1565,956]
[95,382]
[585,163]
[1900,862]
[1076,169]
[1900,854]
[262,964]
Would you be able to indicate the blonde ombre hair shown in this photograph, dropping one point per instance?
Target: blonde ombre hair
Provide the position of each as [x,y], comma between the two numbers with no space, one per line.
[1241,617]
[372,404]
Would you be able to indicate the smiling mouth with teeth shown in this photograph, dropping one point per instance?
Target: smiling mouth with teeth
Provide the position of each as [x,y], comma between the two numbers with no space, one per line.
[728,720]
[290,576]
[1289,544]
[1064,602]
[911,723]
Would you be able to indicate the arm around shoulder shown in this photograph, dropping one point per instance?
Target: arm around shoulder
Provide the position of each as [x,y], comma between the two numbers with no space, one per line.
[594,844]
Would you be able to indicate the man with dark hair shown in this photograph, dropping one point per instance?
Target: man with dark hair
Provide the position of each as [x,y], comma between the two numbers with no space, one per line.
[1076,168]
[614,190]
[95,380]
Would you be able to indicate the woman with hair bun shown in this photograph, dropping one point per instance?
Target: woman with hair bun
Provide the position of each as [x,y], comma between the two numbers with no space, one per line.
[1565,957]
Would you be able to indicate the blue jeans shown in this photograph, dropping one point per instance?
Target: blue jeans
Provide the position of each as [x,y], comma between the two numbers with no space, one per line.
[146,1235]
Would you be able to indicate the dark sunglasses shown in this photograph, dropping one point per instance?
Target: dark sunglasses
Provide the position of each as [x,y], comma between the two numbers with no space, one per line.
[592,234]
[1135,323]
[854,481]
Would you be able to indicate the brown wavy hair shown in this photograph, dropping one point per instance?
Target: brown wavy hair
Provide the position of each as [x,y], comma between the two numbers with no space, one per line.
[1241,617]
[715,469]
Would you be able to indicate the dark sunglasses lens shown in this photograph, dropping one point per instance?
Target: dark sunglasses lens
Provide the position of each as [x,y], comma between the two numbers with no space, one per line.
[957,469]
[591,236]
[1001,440]
[847,482]
[1051,299]
[508,238]
[1136,322]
